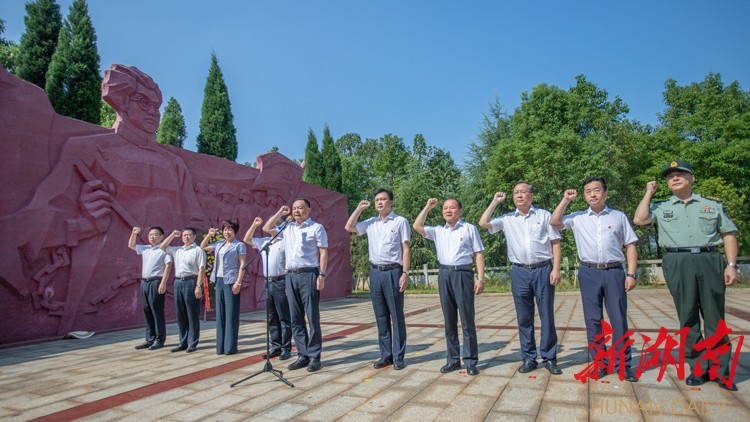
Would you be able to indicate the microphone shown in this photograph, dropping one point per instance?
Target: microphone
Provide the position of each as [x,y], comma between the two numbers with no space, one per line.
[288,220]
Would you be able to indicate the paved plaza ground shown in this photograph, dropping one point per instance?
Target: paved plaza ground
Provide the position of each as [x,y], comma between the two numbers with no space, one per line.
[104,378]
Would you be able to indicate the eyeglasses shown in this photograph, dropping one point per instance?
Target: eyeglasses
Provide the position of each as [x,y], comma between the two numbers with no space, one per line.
[144,103]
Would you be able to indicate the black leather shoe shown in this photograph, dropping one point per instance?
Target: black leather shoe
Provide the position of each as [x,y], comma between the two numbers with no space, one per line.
[472,369]
[143,346]
[314,365]
[450,367]
[630,375]
[301,362]
[178,349]
[274,353]
[694,381]
[399,365]
[156,346]
[551,367]
[191,349]
[285,355]
[527,366]
[382,363]
[230,353]
[732,387]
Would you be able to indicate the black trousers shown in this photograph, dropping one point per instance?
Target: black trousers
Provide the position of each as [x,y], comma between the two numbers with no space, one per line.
[388,305]
[153,311]
[304,299]
[599,288]
[531,285]
[456,290]
[279,322]
[187,311]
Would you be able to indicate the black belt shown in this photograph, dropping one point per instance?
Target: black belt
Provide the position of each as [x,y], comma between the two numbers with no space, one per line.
[302,270]
[386,267]
[276,278]
[190,277]
[603,266]
[697,249]
[456,267]
[531,266]
[151,279]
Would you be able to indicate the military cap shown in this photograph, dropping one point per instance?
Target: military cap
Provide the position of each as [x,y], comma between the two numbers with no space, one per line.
[677,165]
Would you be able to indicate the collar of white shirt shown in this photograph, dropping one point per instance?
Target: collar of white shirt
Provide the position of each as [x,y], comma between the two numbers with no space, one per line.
[459,223]
[606,210]
[532,210]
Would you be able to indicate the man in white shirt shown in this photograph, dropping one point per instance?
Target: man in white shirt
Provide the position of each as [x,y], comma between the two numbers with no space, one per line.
[388,237]
[601,233]
[455,243]
[306,248]
[274,261]
[156,267]
[190,271]
[534,253]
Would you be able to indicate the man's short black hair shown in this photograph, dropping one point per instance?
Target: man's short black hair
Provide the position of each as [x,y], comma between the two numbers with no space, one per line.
[303,200]
[460,206]
[157,228]
[595,179]
[387,192]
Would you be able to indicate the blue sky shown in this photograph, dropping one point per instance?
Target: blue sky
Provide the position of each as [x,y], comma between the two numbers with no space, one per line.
[408,67]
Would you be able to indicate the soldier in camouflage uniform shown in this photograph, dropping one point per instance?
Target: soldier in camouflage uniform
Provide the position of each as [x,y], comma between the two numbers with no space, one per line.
[691,229]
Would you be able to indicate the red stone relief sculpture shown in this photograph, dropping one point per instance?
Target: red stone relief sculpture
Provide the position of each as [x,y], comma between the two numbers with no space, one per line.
[72,192]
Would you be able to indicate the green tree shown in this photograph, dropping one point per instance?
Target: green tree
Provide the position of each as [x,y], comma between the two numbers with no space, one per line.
[357,177]
[107,115]
[73,80]
[331,163]
[8,51]
[554,140]
[172,129]
[43,22]
[430,173]
[389,161]
[217,132]
[313,173]
[707,124]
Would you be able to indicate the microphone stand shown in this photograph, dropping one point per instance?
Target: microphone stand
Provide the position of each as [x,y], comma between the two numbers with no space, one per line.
[267,367]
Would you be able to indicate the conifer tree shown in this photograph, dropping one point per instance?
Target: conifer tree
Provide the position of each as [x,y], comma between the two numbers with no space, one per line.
[217,132]
[43,22]
[73,80]
[172,129]
[331,162]
[313,161]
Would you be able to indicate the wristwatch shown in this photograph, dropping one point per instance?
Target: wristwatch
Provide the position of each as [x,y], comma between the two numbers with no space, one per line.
[322,274]
[732,264]
[633,276]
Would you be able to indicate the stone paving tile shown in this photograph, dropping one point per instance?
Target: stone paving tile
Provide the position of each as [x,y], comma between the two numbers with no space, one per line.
[519,400]
[332,409]
[552,412]
[509,417]
[59,375]
[467,407]
[415,412]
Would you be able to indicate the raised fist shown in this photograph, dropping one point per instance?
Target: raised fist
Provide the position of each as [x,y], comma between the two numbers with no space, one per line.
[363,204]
[570,194]
[499,197]
[651,187]
[176,233]
[284,210]
[97,203]
[136,230]
[258,221]
[432,202]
